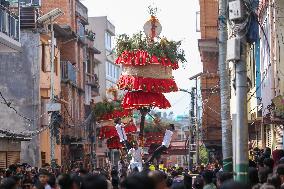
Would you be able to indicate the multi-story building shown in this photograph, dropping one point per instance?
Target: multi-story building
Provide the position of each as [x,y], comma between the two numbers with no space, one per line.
[9,28]
[208,48]
[108,73]
[78,80]
[19,78]
[271,71]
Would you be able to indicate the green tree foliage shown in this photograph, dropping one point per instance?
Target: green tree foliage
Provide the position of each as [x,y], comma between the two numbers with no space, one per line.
[161,47]
[203,154]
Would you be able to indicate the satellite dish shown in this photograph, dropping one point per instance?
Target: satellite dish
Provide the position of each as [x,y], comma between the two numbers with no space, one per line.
[148,28]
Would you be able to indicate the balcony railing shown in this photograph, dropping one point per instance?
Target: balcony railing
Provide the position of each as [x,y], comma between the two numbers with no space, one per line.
[82,10]
[93,81]
[68,72]
[9,23]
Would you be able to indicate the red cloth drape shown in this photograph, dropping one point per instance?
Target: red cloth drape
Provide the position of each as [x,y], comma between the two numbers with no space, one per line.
[142,58]
[107,132]
[139,99]
[133,83]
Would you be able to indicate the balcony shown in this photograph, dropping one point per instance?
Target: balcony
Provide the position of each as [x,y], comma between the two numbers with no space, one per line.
[93,81]
[82,11]
[9,31]
[68,72]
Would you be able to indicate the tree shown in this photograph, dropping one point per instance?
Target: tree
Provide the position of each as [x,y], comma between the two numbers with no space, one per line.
[203,152]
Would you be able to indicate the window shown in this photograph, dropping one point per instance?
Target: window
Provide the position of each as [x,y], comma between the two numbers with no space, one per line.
[108,41]
[56,66]
[112,70]
[43,66]
[43,158]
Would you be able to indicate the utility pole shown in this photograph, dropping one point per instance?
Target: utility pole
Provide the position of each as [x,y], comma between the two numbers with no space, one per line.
[52,107]
[52,142]
[190,117]
[242,120]
[236,52]
[196,116]
[225,89]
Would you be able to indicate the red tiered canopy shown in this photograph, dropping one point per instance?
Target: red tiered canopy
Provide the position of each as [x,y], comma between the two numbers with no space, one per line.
[107,132]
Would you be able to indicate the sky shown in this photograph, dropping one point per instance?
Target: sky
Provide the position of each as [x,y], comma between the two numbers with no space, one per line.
[178,19]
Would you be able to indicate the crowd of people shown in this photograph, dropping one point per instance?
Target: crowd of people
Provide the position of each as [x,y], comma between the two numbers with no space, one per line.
[266,171]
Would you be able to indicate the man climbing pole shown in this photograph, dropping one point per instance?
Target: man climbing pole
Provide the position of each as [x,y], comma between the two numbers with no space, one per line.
[121,133]
[165,144]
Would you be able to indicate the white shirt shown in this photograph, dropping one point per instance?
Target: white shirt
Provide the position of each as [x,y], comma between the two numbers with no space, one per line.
[121,132]
[167,138]
[47,186]
[135,154]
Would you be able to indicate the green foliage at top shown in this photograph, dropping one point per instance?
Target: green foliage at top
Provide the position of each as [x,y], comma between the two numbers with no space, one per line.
[105,107]
[160,47]
[203,154]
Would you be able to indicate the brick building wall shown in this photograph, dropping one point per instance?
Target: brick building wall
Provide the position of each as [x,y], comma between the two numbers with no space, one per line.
[208,48]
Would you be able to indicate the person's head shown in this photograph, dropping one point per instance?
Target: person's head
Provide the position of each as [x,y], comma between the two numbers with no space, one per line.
[267,152]
[38,186]
[117,121]
[277,155]
[17,179]
[253,176]
[280,172]
[172,127]
[263,174]
[137,181]
[43,176]
[64,181]
[198,182]
[77,181]
[159,179]
[27,184]
[82,172]
[268,162]
[231,184]
[8,183]
[94,182]
[222,177]
[274,180]
[207,177]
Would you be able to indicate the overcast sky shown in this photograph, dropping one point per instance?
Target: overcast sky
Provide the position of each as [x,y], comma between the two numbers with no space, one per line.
[178,19]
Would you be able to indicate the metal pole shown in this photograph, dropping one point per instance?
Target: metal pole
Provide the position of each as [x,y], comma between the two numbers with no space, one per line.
[242,120]
[196,124]
[52,144]
[189,140]
[224,89]
[91,134]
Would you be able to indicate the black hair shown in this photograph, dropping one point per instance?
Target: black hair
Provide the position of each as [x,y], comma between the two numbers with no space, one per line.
[263,174]
[269,162]
[253,176]
[280,169]
[38,185]
[8,183]
[44,172]
[198,182]
[117,120]
[64,181]
[224,176]
[172,126]
[274,180]
[137,181]
[231,184]
[94,181]
[52,180]
[208,176]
